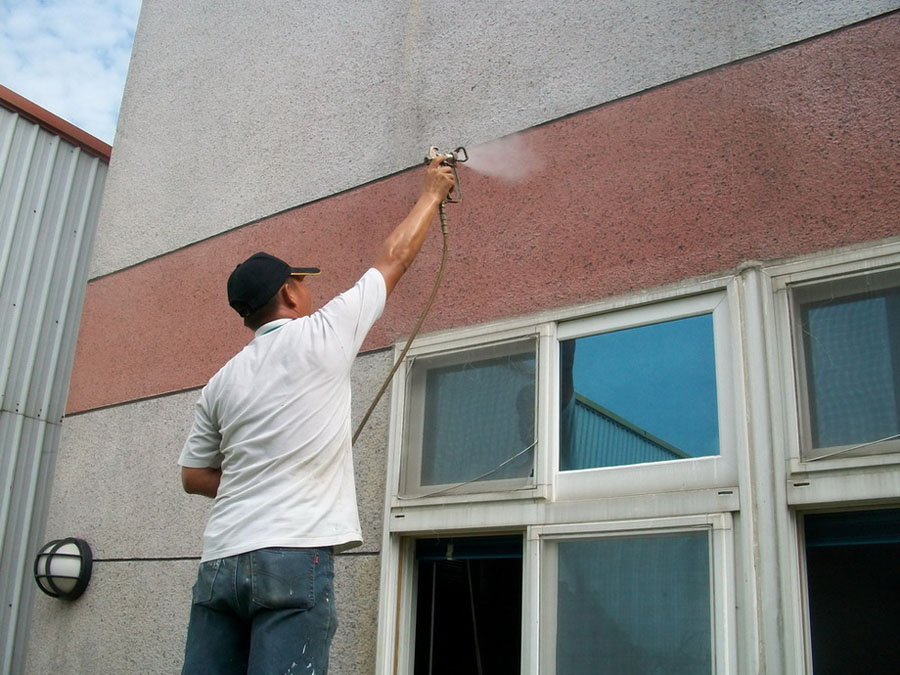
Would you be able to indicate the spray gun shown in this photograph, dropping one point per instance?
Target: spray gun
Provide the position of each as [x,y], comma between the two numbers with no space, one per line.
[454,158]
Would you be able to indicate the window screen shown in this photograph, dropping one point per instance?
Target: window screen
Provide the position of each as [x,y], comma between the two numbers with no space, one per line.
[851,348]
[638,604]
[472,417]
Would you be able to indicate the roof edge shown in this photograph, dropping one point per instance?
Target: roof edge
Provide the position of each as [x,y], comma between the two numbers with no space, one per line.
[54,124]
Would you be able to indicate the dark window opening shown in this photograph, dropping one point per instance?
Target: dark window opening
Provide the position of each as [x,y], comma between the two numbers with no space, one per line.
[469,606]
[853,580]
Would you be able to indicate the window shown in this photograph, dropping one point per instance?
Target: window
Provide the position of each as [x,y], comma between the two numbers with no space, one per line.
[635,601]
[479,450]
[852,590]
[471,420]
[641,394]
[468,605]
[847,344]
[645,399]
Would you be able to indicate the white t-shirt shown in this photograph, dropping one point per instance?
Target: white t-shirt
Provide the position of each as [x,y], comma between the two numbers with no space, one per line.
[276,420]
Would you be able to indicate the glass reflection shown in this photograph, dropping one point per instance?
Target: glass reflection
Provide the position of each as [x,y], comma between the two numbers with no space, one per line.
[644,394]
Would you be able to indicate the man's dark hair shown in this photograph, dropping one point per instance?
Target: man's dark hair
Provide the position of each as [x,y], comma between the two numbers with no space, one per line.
[262,315]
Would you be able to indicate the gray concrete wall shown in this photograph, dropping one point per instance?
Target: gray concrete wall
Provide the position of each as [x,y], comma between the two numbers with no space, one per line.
[134,615]
[236,110]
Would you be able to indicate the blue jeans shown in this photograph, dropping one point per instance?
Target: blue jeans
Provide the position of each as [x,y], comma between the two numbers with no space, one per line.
[263,612]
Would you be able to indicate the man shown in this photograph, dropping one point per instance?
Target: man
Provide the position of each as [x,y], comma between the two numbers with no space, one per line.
[270,443]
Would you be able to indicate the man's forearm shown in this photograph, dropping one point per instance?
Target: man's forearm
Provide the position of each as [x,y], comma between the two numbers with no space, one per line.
[201,481]
[404,242]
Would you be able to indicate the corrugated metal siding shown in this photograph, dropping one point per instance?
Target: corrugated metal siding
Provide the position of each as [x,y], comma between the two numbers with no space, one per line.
[50,194]
[600,439]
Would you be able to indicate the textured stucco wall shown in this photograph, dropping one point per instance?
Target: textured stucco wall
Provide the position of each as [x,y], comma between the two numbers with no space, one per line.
[772,157]
[133,620]
[236,110]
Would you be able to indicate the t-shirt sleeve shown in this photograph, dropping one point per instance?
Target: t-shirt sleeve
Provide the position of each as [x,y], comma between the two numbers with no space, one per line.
[202,447]
[353,313]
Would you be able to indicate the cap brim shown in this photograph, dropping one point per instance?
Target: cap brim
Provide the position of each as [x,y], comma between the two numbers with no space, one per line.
[304,271]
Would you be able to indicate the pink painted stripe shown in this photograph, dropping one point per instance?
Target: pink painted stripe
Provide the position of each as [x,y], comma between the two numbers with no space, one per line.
[792,152]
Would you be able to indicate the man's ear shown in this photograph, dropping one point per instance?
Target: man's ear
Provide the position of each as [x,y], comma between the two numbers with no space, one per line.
[287,295]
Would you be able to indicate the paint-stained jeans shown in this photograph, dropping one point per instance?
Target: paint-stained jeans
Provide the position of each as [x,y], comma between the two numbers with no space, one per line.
[267,612]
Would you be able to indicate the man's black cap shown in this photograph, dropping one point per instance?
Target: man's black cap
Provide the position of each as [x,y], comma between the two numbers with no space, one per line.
[257,279]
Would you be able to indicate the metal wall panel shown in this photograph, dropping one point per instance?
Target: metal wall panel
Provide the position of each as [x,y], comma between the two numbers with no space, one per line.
[50,194]
[600,439]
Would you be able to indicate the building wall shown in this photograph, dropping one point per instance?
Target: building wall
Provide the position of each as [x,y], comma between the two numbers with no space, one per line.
[245,99]
[117,486]
[616,148]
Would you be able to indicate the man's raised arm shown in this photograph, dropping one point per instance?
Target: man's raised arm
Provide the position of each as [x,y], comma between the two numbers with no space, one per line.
[403,244]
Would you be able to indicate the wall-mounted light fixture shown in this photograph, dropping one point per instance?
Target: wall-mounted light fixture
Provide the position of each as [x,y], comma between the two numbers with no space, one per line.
[62,568]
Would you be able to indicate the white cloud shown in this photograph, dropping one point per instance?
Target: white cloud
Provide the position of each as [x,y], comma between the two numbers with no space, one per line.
[69,56]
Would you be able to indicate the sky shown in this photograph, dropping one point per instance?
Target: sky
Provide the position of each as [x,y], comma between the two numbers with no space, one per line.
[69,57]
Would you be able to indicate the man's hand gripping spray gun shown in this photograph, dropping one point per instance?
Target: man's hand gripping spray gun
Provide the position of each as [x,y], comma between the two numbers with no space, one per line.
[451,159]
[454,158]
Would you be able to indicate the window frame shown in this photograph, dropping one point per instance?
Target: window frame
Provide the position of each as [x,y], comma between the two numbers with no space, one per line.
[707,485]
[716,471]
[539,652]
[833,477]
[413,429]
[444,345]
[805,292]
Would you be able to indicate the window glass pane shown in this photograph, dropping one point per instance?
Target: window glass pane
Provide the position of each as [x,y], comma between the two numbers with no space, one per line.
[852,350]
[479,419]
[634,605]
[645,394]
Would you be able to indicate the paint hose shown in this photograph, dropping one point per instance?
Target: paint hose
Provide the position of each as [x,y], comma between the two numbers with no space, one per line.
[437,284]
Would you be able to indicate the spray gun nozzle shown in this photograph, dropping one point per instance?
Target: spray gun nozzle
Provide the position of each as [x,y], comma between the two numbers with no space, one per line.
[457,156]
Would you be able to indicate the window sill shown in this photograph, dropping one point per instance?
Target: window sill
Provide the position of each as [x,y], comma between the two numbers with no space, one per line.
[515,514]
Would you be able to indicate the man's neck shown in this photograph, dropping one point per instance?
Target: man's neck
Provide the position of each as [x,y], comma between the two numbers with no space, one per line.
[269,326]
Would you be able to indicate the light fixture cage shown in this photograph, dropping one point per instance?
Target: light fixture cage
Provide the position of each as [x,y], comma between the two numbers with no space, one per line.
[62,568]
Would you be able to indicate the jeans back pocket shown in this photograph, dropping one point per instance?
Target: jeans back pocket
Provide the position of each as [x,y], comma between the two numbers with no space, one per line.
[284,578]
[202,593]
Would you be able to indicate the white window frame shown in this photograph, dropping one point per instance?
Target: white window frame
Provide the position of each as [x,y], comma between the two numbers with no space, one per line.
[813,291]
[539,640]
[498,490]
[414,414]
[701,486]
[694,473]
[833,478]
